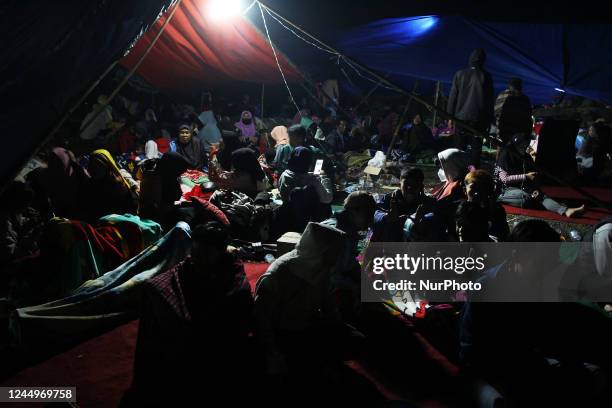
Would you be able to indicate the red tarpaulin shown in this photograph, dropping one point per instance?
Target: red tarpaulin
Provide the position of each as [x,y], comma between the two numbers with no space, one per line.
[195,51]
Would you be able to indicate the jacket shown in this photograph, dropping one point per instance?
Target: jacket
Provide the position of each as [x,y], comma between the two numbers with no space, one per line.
[471,94]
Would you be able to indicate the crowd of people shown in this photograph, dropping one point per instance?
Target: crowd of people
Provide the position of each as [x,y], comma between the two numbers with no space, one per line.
[253,179]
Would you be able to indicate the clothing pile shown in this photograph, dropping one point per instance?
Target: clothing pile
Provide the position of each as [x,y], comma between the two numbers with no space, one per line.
[249,221]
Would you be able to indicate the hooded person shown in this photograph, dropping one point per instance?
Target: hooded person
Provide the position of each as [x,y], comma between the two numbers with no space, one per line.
[109,191]
[246,125]
[190,148]
[280,135]
[471,100]
[297,175]
[293,299]
[210,134]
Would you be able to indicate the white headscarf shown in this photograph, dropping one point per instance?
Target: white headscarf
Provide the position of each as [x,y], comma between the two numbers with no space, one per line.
[310,260]
[151,151]
[454,162]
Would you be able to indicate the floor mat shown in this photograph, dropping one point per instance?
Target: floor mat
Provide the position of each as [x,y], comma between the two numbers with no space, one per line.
[101,368]
[567,193]
[590,217]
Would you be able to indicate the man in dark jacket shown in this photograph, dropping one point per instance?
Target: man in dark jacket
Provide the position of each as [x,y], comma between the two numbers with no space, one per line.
[513,111]
[471,100]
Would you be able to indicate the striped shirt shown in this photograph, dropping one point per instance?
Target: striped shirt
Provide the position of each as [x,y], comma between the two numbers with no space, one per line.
[503,176]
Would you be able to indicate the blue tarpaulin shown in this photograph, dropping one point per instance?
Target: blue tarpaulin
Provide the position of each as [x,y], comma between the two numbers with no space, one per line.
[576,58]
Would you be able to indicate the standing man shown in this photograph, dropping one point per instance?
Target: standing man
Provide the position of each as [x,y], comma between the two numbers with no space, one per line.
[513,111]
[471,100]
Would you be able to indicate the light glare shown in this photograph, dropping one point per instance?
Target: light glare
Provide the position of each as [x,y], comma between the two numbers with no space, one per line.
[220,10]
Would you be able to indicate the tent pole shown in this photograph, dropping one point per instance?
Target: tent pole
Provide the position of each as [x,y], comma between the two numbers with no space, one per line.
[443,113]
[313,96]
[89,90]
[401,120]
[367,96]
[435,113]
[135,67]
[263,92]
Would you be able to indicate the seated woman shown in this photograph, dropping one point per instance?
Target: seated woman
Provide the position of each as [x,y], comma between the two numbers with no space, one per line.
[246,125]
[480,189]
[453,168]
[109,191]
[191,148]
[445,136]
[280,135]
[246,175]
[515,171]
[64,182]
[195,316]
[297,176]
[418,137]
[228,145]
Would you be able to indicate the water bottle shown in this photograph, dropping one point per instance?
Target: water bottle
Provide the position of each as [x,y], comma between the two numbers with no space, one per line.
[269,258]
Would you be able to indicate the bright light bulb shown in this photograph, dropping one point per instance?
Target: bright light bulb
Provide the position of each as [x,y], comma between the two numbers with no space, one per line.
[220,10]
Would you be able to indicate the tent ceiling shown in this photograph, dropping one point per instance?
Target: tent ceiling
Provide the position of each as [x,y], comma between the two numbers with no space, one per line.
[195,51]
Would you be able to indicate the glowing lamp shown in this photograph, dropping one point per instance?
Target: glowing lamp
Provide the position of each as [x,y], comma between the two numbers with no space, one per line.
[220,10]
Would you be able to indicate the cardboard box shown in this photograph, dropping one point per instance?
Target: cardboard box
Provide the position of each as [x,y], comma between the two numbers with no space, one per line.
[287,242]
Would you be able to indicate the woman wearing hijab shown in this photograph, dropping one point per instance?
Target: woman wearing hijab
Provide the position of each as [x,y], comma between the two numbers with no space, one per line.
[453,169]
[386,128]
[297,176]
[64,182]
[190,148]
[418,138]
[151,150]
[160,186]
[151,156]
[246,175]
[283,149]
[246,125]
[210,134]
[515,171]
[109,191]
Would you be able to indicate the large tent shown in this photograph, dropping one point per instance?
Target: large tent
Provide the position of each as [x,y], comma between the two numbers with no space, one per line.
[59,49]
[196,51]
[552,57]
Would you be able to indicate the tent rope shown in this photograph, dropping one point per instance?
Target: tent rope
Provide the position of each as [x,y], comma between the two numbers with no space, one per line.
[277,62]
[328,50]
[134,68]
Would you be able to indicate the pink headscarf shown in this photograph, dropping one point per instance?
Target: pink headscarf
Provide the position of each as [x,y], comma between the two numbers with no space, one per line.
[280,135]
[247,130]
